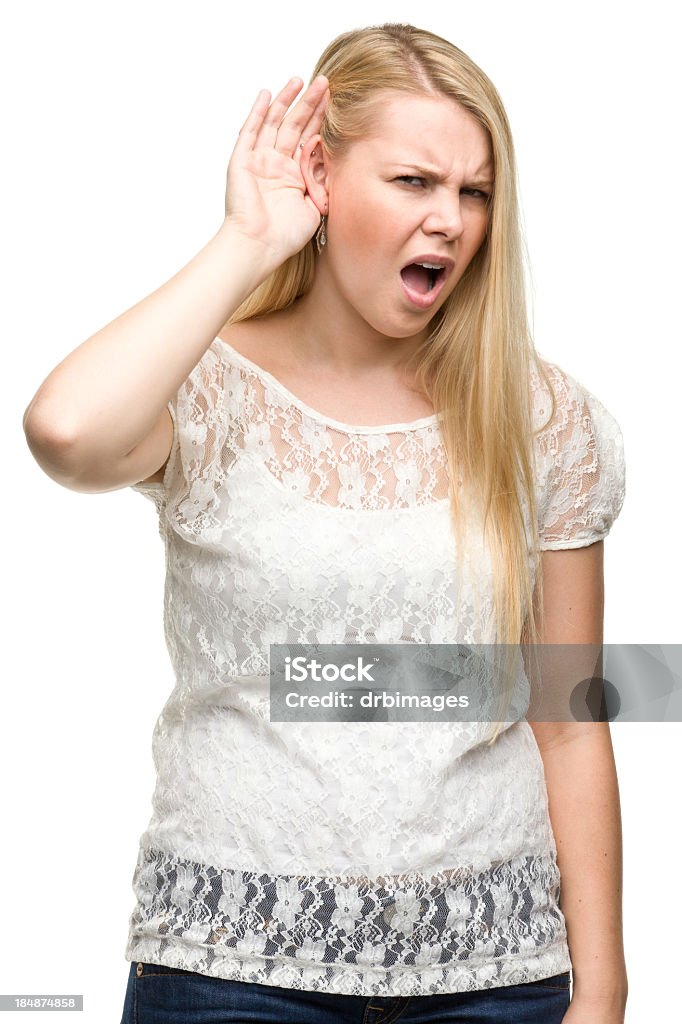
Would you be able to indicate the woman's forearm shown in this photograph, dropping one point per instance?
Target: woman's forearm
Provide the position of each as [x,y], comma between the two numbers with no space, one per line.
[584,808]
[106,395]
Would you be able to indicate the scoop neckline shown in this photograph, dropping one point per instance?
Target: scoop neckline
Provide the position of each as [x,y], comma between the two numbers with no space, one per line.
[382,428]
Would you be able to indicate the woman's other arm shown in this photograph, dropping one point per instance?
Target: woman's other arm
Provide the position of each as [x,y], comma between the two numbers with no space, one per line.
[584,802]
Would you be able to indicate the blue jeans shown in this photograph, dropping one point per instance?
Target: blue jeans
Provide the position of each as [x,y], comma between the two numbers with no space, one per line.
[167,995]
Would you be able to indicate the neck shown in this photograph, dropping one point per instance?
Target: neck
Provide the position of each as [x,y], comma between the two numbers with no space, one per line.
[332,335]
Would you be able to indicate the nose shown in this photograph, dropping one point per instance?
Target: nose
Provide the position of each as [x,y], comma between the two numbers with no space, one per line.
[445,216]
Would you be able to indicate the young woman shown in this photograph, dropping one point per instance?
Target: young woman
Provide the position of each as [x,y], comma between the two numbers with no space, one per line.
[338,412]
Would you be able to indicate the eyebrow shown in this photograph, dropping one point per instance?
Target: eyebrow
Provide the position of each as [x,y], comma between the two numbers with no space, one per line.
[429,172]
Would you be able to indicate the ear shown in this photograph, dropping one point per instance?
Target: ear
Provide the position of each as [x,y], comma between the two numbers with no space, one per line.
[315,172]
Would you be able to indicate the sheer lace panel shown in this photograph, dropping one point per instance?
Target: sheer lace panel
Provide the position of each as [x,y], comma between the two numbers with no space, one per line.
[336,467]
[228,408]
[580,458]
[411,936]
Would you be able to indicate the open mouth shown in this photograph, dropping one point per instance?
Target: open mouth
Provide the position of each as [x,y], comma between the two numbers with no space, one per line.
[422,279]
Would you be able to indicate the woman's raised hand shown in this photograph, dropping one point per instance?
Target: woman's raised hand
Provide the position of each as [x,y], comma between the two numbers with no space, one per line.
[265,197]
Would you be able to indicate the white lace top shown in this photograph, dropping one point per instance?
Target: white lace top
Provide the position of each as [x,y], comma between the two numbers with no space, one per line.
[365,858]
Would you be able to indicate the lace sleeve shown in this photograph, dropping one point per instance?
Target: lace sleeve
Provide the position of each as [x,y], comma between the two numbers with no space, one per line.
[582,476]
[198,425]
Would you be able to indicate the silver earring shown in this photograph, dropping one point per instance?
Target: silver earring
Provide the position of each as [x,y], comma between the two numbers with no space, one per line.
[321,236]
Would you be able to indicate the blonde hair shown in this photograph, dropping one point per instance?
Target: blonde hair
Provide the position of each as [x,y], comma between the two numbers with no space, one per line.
[475,365]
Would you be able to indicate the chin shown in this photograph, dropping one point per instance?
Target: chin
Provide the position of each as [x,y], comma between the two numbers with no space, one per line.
[391,327]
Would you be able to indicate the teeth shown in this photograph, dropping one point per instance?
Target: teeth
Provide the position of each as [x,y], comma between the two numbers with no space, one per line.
[431,266]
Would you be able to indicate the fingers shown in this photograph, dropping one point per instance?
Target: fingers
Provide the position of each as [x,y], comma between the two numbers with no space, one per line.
[267,134]
[266,124]
[304,119]
[249,130]
[313,125]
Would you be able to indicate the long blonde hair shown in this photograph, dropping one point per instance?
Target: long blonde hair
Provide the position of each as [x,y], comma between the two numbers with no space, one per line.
[475,364]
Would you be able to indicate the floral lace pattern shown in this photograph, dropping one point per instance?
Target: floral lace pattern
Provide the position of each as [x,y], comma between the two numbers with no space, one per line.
[405,935]
[282,525]
[581,464]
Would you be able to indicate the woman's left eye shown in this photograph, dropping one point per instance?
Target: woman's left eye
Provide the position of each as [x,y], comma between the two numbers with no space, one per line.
[409,177]
[476,192]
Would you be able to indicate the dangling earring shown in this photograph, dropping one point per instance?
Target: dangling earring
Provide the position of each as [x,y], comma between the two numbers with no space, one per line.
[321,235]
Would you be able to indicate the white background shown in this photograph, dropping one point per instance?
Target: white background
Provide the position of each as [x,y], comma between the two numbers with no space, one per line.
[118,123]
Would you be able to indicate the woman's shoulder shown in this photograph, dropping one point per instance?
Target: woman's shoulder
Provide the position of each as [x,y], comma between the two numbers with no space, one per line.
[560,399]
[261,340]
[547,376]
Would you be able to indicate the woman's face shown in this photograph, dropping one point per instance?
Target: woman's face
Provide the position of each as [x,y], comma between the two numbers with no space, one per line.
[416,188]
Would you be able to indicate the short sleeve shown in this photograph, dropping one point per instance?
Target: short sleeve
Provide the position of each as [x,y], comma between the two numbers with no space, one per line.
[198,426]
[156,490]
[581,466]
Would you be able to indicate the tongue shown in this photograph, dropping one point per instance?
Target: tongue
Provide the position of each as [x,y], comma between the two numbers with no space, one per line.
[416,277]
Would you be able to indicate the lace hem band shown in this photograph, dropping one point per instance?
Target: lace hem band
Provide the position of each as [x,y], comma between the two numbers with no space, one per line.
[413,935]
